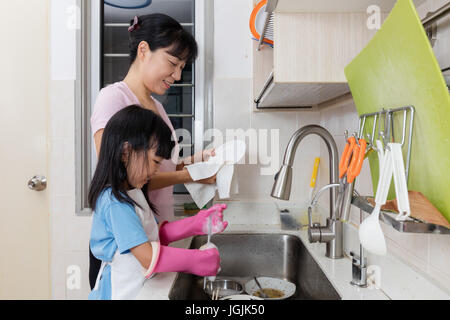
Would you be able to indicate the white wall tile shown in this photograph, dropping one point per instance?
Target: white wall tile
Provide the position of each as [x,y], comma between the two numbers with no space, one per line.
[397,269]
[65,266]
[79,260]
[62,109]
[77,231]
[339,118]
[232,39]
[58,213]
[439,253]
[58,276]
[440,278]
[308,149]
[232,103]
[406,253]
[253,185]
[69,233]
[62,166]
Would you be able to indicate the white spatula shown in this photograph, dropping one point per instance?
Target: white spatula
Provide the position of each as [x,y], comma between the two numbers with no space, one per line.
[370,234]
[401,186]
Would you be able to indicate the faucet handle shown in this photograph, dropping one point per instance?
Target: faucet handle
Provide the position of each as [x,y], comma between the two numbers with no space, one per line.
[314,233]
[310,222]
[355,257]
[359,271]
[356,260]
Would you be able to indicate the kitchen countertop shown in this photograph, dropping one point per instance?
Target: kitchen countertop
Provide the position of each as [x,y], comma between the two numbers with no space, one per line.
[256,217]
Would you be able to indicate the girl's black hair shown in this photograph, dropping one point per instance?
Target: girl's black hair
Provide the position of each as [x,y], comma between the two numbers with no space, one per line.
[143,130]
[162,31]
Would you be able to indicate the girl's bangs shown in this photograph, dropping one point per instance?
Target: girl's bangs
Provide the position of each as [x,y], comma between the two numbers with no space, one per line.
[163,149]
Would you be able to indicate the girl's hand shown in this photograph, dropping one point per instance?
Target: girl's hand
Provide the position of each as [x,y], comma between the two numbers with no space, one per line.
[216,214]
[193,226]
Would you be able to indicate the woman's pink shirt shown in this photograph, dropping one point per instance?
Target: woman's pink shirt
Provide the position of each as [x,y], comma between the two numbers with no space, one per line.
[114,98]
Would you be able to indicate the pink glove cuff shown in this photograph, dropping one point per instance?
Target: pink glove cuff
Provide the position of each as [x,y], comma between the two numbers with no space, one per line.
[163,239]
[194,261]
[156,246]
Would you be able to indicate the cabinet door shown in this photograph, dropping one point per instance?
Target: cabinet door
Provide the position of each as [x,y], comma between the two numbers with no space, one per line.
[24,218]
[316,47]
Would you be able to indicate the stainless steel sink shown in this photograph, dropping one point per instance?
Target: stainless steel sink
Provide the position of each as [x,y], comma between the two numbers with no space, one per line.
[272,255]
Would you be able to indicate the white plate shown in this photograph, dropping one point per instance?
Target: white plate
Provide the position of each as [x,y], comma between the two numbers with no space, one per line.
[241,297]
[286,287]
[260,20]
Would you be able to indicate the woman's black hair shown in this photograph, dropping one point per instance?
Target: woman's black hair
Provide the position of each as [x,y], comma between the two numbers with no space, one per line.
[143,130]
[162,31]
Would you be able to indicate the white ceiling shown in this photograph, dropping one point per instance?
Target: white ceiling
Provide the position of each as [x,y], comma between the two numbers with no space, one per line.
[180,10]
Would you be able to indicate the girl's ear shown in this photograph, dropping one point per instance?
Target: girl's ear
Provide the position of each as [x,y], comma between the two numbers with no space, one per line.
[126,152]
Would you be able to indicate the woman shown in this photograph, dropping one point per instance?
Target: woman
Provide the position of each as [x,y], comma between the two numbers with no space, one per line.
[159,50]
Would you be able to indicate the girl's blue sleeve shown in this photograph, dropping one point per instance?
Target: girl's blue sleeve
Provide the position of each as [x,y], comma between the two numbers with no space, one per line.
[126,226]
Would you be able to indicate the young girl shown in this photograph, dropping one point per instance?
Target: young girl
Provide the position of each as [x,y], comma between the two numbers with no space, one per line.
[125,235]
[159,50]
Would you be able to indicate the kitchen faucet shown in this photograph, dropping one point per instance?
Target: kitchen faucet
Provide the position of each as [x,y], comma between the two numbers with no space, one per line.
[332,233]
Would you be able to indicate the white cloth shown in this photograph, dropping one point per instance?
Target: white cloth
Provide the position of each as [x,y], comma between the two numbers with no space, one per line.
[221,164]
[127,274]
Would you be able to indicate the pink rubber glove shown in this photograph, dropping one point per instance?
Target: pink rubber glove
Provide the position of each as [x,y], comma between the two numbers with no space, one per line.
[193,226]
[200,262]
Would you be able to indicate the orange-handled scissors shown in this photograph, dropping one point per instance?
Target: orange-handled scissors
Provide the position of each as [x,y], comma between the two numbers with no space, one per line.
[357,161]
[346,156]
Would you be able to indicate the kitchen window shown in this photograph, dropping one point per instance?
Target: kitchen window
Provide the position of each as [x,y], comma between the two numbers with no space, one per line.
[189,101]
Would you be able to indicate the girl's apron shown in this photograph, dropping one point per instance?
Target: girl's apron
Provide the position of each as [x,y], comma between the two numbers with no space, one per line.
[127,274]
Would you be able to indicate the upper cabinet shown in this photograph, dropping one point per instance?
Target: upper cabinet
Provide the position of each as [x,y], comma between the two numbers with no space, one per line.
[333,6]
[313,42]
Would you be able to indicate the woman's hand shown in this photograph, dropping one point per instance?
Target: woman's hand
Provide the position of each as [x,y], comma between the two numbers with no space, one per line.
[206,154]
[210,180]
[201,156]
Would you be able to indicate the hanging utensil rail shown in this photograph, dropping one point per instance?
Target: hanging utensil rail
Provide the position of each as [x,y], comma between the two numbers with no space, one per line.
[383,129]
[387,134]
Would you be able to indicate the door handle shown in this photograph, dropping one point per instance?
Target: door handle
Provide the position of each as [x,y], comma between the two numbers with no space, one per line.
[37,183]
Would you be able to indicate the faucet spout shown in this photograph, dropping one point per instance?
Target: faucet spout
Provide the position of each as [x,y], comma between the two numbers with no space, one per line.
[282,187]
[332,233]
